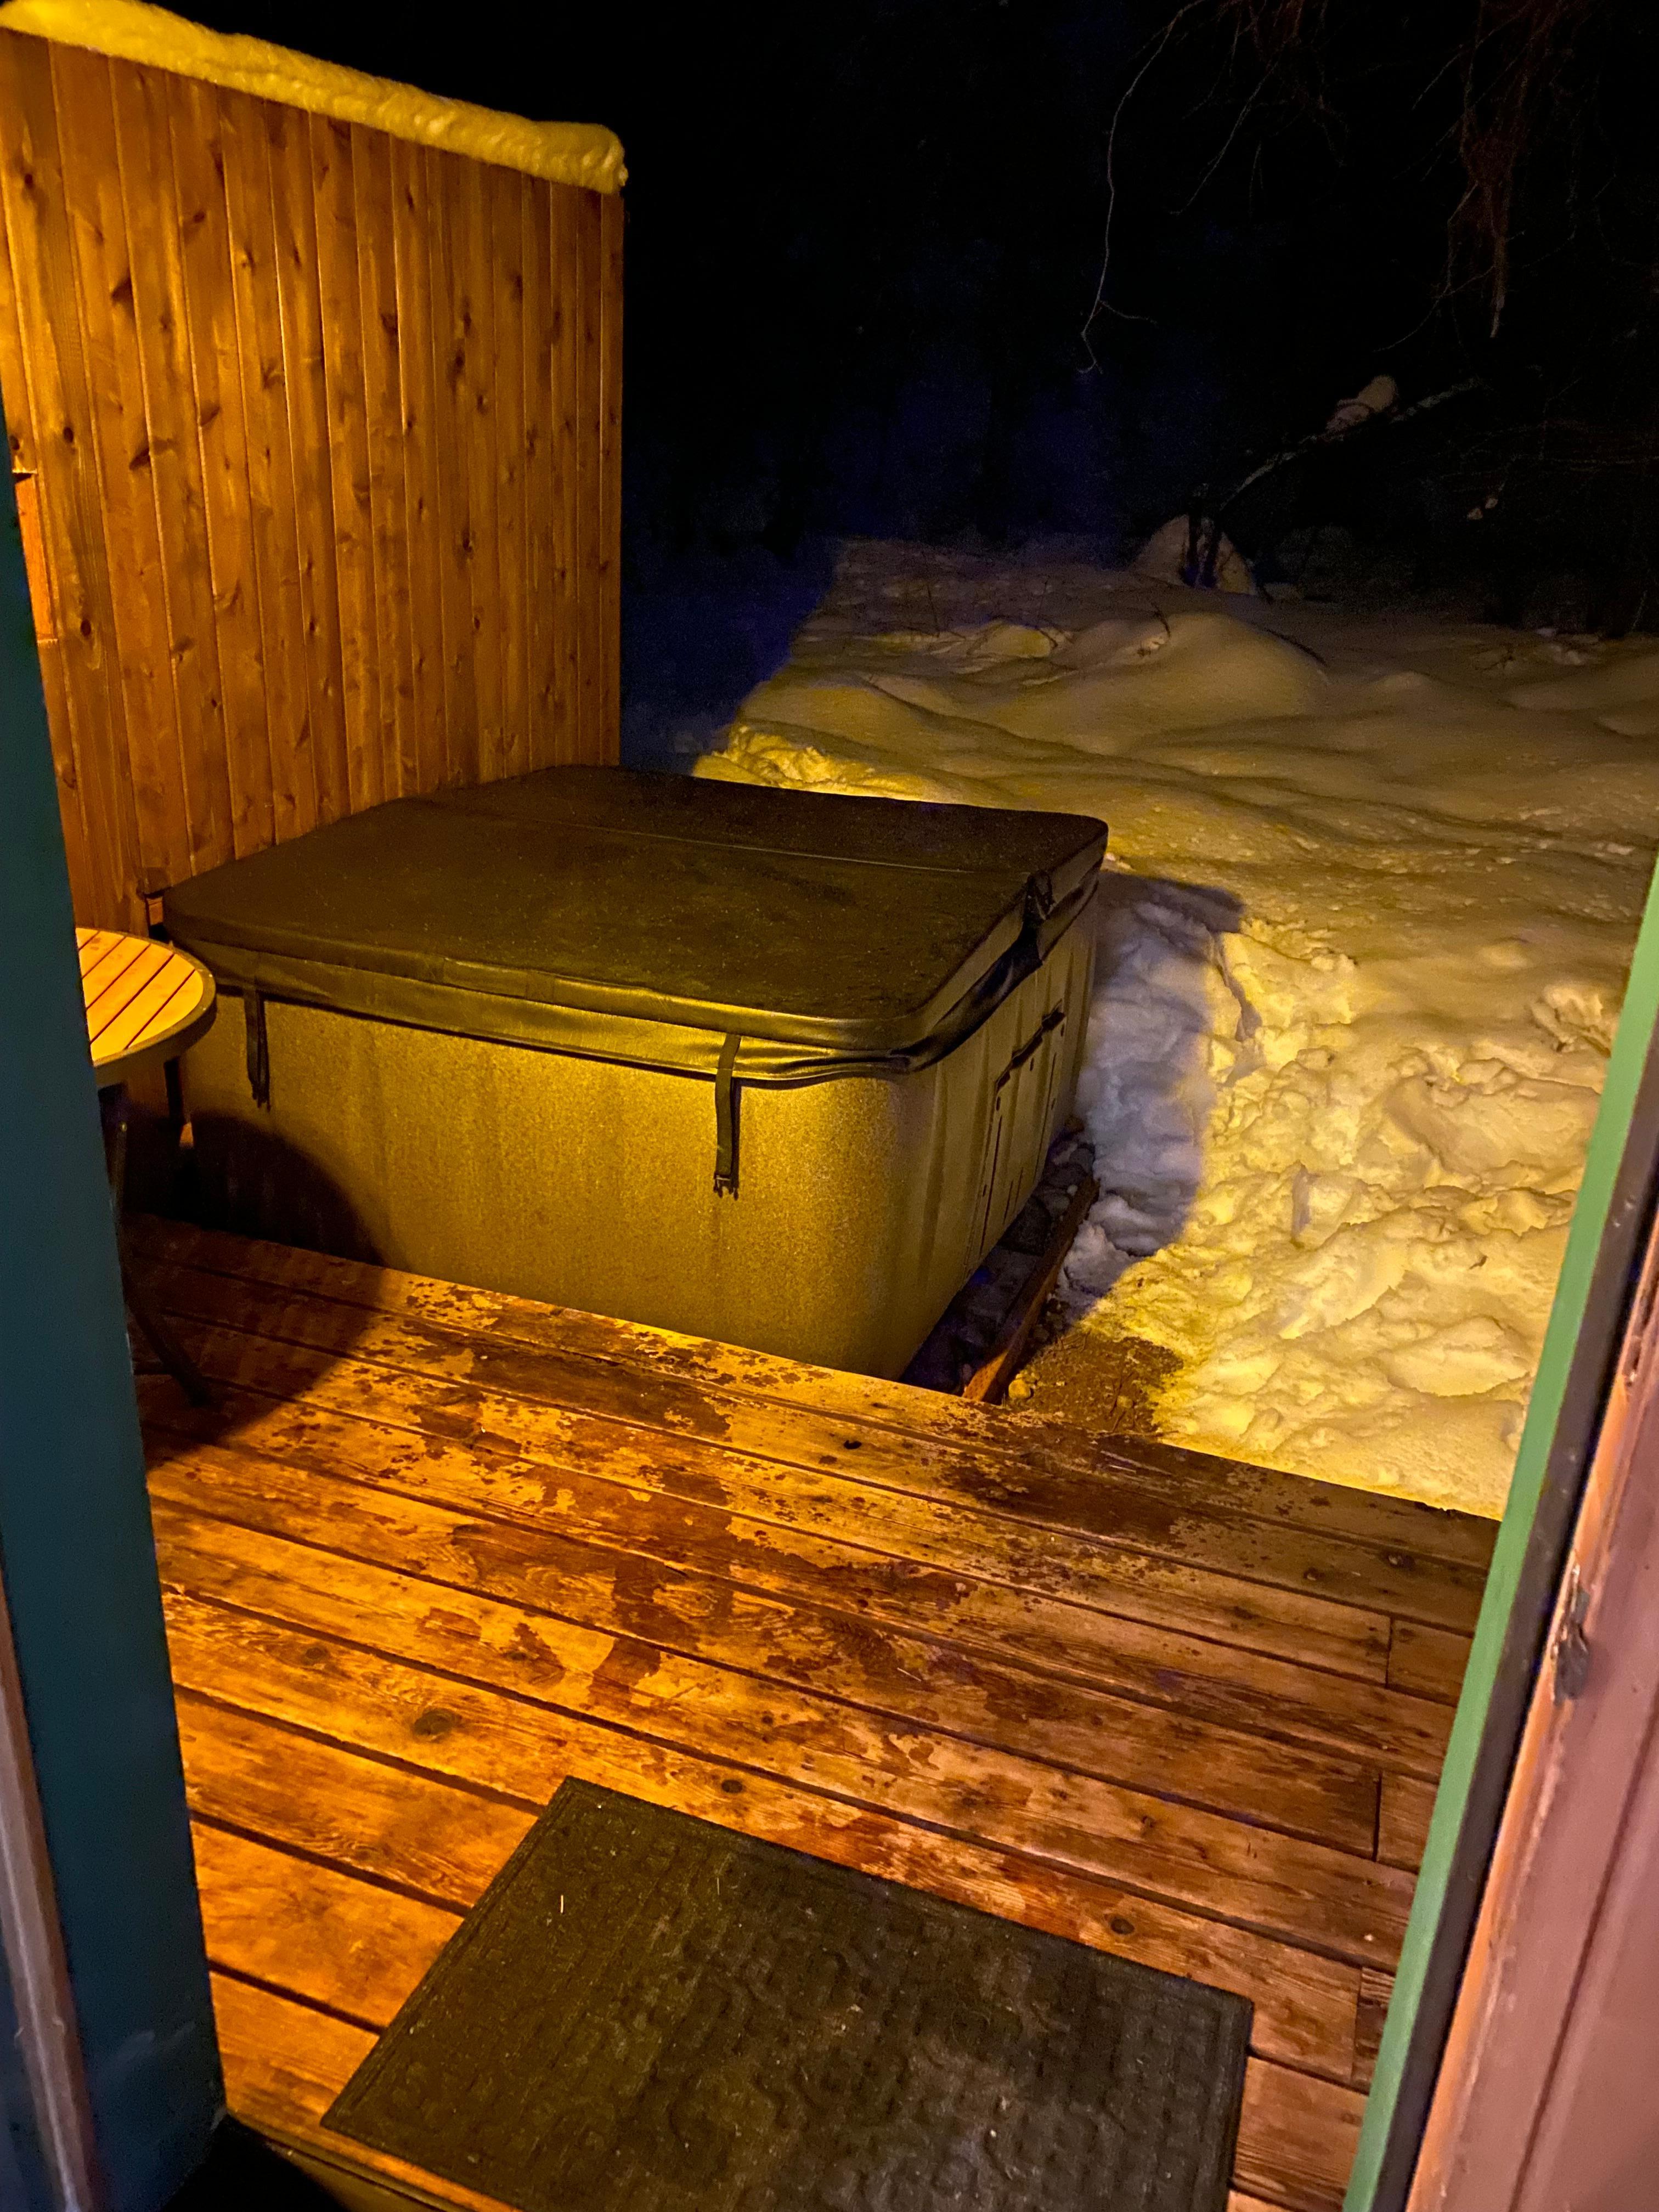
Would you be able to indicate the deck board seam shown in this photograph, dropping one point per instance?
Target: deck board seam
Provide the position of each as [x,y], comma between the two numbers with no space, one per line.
[1330,2068]
[325,1865]
[315,2004]
[346,1872]
[215,1702]
[1063,1444]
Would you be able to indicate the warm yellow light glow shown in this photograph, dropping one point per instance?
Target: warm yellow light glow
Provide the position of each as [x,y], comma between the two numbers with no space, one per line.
[584,153]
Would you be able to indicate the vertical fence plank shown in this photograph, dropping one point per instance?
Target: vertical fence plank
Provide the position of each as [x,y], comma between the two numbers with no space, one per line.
[591,646]
[504,190]
[129,524]
[424,521]
[13,358]
[605,582]
[324,431]
[210,329]
[144,153]
[449,342]
[540,481]
[89,756]
[341,350]
[295,231]
[480,458]
[24,457]
[273,540]
[567,391]
[377,287]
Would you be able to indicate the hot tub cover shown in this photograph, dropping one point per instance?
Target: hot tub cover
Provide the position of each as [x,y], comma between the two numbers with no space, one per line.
[668,919]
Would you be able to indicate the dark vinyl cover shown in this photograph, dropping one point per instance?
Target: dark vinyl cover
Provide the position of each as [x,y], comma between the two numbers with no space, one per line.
[856,926]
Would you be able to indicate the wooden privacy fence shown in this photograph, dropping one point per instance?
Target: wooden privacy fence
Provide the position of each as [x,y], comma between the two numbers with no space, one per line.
[315,431]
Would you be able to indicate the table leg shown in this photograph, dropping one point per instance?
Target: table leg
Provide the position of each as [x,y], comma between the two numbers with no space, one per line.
[165,1345]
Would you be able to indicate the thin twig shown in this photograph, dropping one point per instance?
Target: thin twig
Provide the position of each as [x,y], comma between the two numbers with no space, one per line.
[1332,437]
[1101,305]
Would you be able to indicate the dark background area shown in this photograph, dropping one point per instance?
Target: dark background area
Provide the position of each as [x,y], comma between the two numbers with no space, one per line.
[865,242]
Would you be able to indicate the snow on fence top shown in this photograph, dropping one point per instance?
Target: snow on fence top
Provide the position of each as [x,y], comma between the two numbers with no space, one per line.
[581,154]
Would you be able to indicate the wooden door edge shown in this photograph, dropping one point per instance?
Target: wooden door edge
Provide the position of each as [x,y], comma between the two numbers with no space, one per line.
[1594,1707]
[33,1937]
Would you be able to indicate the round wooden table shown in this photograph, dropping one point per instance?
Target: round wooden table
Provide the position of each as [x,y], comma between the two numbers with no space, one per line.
[146,1003]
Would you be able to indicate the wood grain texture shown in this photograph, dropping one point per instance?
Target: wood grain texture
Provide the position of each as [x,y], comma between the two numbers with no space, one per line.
[1266,1881]
[381,1709]
[1233,1486]
[1402,1826]
[565,276]
[1296,2137]
[1376,1992]
[1348,1584]
[322,431]
[1430,1662]
[541,493]
[417,365]
[210,328]
[433,1553]
[376,276]
[608,565]
[131,550]
[346,418]
[786,1540]
[172,411]
[272,521]
[474,397]
[50,408]
[705,1619]
[585,1420]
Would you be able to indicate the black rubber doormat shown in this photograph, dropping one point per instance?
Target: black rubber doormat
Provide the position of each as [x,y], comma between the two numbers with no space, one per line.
[644,2013]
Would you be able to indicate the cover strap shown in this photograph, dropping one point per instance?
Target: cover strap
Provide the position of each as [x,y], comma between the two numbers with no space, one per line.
[726,1119]
[258,1047]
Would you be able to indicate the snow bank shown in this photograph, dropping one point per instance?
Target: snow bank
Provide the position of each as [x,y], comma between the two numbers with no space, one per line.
[1378,882]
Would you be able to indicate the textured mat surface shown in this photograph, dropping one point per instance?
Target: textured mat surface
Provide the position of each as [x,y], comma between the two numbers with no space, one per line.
[646,2013]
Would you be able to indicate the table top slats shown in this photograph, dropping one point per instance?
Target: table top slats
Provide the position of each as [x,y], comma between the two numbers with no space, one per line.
[107,1004]
[145,1001]
[93,944]
[166,999]
[108,960]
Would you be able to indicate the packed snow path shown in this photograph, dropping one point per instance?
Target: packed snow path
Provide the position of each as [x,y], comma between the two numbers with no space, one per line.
[1377,881]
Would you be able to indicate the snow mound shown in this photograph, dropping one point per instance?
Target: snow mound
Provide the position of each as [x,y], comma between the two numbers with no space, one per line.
[1373,889]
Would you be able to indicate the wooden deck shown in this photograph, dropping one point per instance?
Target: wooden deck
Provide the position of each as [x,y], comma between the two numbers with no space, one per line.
[438,1549]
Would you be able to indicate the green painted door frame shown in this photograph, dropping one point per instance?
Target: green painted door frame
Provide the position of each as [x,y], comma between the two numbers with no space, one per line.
[76,1550]
[1610,1225]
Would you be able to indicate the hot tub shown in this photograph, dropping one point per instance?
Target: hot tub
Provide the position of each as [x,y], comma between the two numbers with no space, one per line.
[754,1065]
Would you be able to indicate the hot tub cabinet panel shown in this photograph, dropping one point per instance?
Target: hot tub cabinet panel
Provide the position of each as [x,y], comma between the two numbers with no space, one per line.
[763,1068]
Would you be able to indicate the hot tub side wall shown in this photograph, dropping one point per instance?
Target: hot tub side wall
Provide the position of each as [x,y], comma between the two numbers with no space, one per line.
[863,1204]
[317,438]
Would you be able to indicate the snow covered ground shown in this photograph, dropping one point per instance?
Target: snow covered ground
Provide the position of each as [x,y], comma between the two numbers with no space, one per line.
[1376,884]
